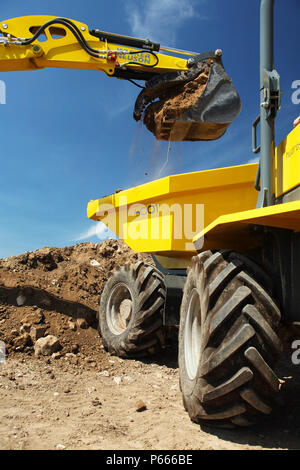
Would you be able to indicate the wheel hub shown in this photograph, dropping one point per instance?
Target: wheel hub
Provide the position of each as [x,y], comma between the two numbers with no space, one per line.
[119,309]
[192,335]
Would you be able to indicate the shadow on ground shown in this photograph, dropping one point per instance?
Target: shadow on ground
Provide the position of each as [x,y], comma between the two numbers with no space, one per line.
[169,356]
[38,297]
[280,430]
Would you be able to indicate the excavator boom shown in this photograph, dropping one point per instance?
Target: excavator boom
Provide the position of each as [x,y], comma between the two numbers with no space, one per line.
[184,98]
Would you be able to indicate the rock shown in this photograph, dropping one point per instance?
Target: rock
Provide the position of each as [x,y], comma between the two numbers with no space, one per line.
[106,251]
[25,328]
[72,326]
[104,373]
[21,341]
[82,323]
[60,447]
[117,380]
[72,358]
[75,348]
[35,317]
[56,355]
[21,299]
[67,390]
[140,406]
[88,359]
[96,402]
[46,346]
[37,332]
[128,378]
[94,262]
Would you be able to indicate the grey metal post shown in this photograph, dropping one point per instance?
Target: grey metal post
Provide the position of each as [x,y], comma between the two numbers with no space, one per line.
[269,102]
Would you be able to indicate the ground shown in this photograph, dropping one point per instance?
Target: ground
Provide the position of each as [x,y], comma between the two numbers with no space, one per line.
[80,397]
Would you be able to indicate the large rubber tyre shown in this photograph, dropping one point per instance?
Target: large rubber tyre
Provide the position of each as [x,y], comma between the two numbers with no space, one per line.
[227,340]
[131,311]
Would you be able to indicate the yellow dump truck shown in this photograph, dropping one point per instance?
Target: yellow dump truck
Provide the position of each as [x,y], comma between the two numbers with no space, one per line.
[226,246]
[225,242]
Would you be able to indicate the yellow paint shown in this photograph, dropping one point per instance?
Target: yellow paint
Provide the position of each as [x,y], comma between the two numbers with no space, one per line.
[229,199]
[236,230]
[65,51]
[151,217]
[287,163]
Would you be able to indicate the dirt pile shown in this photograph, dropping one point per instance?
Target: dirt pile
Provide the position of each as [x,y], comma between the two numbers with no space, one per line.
[80,397]
[161,116]
[55,292]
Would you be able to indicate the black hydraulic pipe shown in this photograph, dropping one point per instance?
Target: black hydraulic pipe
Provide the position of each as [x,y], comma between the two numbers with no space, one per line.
[126,40]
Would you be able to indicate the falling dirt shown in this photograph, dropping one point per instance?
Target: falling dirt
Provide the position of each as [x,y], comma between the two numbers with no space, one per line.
[185,112]
[80,397]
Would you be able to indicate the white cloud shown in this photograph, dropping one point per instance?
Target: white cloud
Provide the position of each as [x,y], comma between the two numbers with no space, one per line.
[99,230]
[158,20]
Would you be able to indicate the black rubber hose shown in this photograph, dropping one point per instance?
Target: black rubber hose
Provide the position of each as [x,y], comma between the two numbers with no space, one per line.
[78,35]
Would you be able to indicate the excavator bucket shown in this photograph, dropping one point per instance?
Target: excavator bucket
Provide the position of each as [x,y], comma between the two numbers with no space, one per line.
[197,104]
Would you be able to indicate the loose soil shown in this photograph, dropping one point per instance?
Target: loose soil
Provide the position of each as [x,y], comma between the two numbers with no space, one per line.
[160,116]
[83,398]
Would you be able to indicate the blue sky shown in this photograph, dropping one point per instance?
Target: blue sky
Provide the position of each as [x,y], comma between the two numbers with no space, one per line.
[67,136]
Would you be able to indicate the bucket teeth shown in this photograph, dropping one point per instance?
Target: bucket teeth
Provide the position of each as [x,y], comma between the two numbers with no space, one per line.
[197,104]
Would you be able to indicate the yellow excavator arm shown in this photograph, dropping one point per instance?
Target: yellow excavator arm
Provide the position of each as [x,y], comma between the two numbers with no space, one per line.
[184,98]
[62,44]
